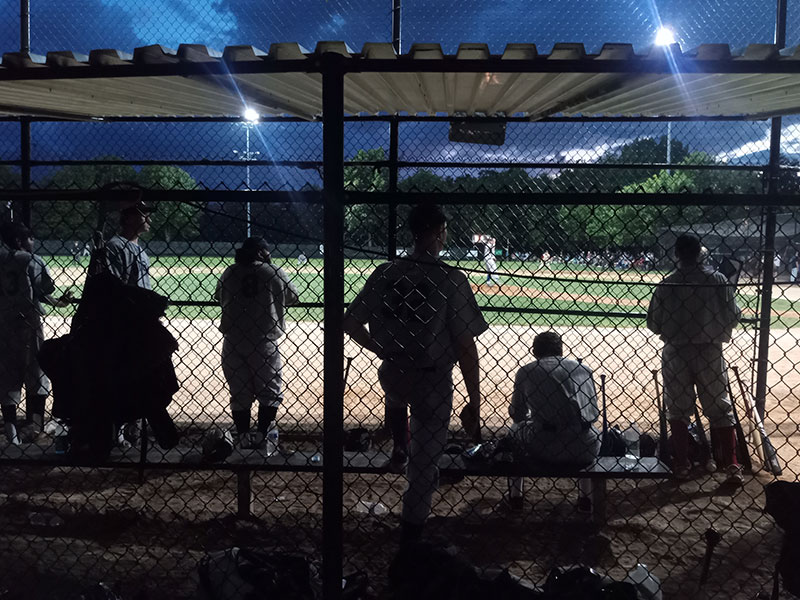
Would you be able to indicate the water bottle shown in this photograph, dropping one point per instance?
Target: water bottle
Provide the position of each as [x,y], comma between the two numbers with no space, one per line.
[630,436]
[272,440]
[647,585]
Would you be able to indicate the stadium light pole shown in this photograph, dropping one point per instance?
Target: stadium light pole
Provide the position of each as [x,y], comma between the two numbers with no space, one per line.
[666,37]
[250,120]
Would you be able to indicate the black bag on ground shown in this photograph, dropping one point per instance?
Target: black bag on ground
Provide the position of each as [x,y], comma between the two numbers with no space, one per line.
[612,443]
[250,574]
[357,440]
[426,572]
[783,498]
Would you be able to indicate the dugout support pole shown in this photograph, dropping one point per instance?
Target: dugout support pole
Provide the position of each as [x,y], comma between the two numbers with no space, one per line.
[391,225]
[25,123]
[770,224]
[332,67]
[244,493]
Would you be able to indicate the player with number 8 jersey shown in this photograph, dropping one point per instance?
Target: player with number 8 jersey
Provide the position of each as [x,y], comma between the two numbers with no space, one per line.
[254,295]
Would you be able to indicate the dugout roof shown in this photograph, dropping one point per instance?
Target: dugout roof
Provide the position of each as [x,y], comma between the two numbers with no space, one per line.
[194,81]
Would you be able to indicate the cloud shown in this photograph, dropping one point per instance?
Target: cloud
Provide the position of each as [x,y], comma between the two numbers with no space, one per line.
[759,145]
[333,26]
[172,22]
[593,154]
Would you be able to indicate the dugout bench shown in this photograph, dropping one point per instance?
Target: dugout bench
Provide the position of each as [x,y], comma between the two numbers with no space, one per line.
[244,462]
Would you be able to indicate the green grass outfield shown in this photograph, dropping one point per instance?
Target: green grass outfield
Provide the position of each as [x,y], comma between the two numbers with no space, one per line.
[522,300]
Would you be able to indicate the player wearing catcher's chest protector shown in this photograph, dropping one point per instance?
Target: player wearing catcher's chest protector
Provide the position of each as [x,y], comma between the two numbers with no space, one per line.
[25,283]
[253,294]
[423,318]
[694,311]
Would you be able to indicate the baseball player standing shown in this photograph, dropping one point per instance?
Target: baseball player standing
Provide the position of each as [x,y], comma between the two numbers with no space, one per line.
[127,260]
[490,262]
[694,311]
[25,283]
[254,295]
[423,318]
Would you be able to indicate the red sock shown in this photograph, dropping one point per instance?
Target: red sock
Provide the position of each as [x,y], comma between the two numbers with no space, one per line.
[724,441]
[680,442]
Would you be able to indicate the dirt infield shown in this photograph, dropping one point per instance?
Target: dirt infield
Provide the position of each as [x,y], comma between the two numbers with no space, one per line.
[626,356]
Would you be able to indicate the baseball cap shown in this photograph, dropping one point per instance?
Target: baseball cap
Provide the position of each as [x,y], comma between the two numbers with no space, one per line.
[424,217]
[11,231]
[138,206]
[252,244]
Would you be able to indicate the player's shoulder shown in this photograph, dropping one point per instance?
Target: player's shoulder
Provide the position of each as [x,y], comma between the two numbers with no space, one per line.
[15,258]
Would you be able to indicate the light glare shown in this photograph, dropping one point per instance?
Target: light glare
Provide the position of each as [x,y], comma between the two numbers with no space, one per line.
[250,115]
[664,36]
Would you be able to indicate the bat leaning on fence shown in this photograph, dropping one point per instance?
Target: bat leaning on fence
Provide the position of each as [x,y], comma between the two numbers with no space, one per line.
[771,462]
[741,440]
[663,436]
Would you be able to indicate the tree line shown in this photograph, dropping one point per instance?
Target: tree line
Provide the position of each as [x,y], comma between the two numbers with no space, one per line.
[530,228]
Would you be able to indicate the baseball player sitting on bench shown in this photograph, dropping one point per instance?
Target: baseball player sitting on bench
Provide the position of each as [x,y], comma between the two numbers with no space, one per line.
[553,406]
[253,294]
[25,283]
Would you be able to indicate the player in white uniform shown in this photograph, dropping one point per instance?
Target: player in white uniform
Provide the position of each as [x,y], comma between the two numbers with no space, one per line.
[423,318]
[553,407]
[254,295]
[694,312]
[490,262]
[128,261]
[25,283]
[126,258]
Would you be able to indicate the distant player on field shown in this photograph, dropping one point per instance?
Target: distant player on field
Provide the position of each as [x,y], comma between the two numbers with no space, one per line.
[25,283]
[423,318]
[490,262]
[253,294]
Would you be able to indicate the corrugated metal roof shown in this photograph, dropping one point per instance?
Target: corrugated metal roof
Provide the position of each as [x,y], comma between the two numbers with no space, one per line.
[197,81]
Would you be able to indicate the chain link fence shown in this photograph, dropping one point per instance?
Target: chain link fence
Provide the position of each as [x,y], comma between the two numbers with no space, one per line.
[585,269]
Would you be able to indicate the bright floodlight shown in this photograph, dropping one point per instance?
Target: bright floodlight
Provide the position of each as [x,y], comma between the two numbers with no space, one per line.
[664,36]
[250,115]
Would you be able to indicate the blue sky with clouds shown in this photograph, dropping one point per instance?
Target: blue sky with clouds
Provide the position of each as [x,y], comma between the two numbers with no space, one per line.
[82,25]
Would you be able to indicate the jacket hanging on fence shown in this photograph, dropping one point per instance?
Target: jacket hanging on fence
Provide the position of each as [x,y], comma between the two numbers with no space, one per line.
[115,365]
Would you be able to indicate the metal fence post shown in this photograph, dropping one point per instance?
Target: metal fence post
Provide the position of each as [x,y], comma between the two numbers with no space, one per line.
[762,361]
[25,123]
[333,408]
[392,222]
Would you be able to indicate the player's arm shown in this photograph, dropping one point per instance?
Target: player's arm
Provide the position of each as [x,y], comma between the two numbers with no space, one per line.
[467,353]
[359,313]
[654,313]
[291,296]
[360,334]
[519,410]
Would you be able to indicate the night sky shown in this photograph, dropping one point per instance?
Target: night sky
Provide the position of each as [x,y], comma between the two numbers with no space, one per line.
[82,25]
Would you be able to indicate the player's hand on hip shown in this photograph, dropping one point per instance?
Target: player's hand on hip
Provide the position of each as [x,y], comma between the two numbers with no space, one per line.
[470,417]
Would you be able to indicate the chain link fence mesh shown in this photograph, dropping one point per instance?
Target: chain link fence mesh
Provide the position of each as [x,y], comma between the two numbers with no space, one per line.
[584,270]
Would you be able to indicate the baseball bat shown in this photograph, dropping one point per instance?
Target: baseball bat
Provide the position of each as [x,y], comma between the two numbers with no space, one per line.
[348,359]
[712,538]
[770,454]
[701,433]
[663,438]
[603,397]
[741,441]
